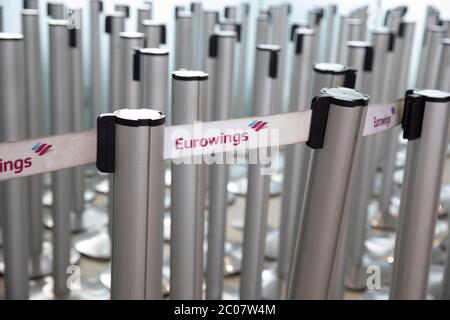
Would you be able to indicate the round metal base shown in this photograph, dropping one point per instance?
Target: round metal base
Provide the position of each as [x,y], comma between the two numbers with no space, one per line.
[105,278]
[357,278]
[435,281]
[94,244]
[100,184]
[272,244]
[377,184]
[233,258]
[43,264]
[168,177]
[375,294]
[47,196]
[237,171]
[90,289]
[239,187]
[94,217]
[400,158]
[270,284]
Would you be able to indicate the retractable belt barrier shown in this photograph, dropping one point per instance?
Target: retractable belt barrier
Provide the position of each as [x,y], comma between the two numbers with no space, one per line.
[56,152]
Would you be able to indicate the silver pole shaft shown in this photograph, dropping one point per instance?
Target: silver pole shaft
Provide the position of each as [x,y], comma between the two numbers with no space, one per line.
[382,41]
[432,65]
[225,44]
[77,107]
[326,192]
[138,170]
[154,70]
[56,10]
[244,66]
[210,19]
[31,4]
[350,30]
[197,14]
[264,100]
[328,75]
[279,36]
[143,13]
[184,41]
[61,180]
[444,84]
[187,193]
[295,154]
[329,36]
[13,127]
[427,111]
[315,22]
[262,29]
[130,88]
[360,57]
[1,19]
[95,54]
[155,33]
[34,101]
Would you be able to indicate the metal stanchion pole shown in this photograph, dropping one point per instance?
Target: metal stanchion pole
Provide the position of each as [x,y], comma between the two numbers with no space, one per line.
[13,127]
[30,4]
[382,41]
[350,30]
[143,13]
[315,22]
[362,14]
[336,121]
[222,48]
[56,10]
[1,18]
[210,19]
[385,219]
[123,8]
[155,33]
[244,72]
[197,14]
[294,179]
[230,13]
[61,182]
[135,137]
[431,67]
[256,207]
[329,39]
[360,57]
[187,193]
[35,125]
[425,125]
[262,28]
[327,75]
[130,89]
[96,7]
[184,48]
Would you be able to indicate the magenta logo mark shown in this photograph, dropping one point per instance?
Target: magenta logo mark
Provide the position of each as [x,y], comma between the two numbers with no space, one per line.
[257,125]
[41,148]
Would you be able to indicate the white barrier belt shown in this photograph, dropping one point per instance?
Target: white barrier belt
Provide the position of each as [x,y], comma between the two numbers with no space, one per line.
[52,153]
[33,156]
[383,116]
[236,134]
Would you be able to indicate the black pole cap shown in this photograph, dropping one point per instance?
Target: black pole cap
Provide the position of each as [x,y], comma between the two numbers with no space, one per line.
[320,107]
[350,78]
[106,144]
[137,65]
[108,24]
[163,34]
[293,28]
[368,59]
[273,64]
[73,38]
[414,109]
[213,46]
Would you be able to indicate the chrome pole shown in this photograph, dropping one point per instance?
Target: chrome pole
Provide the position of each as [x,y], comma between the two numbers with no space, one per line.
[13,116]
[349,30]
[96,7]
[256,207]
[155,33]
[184,45]
[56,10]
[143,13]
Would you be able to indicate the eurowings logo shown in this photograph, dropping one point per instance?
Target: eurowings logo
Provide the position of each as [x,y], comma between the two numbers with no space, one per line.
[257,125]
[41,148]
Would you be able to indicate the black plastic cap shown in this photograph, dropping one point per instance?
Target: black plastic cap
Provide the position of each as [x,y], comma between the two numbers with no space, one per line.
[106,144]
[413,112]
[350,78]
[368,59]
[163,34]
[391,43]
[401,29]
[319,16]
[100,6]
[227,12]
[137,65]
[108,24]
[127,11]
[49,9]
[299,44]
[273,64]
[73,38]
[213,46]
[238,31]
[320,107]
[293,28]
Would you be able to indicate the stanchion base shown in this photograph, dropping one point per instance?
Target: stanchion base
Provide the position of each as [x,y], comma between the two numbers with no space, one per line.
[43,266]
[435,281]
[94,244]
[105,278]
[93,217]
[101,184]
[239,187]
[230,293]
[233,258]
[237,171]
[272,244]
[47,196]
[357,278]
[375,294]
[91,289]
[271,286]
[168,177]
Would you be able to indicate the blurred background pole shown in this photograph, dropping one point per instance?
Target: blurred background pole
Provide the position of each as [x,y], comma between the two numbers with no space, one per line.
[187,192]
[349,30]
[143,13]
[56,10]
[13,117]
[256,207]
[61,180]
[155,33]
[184,40]
[95,9]
[223,44]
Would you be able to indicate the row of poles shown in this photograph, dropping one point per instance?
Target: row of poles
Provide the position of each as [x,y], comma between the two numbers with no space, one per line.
[329,231]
